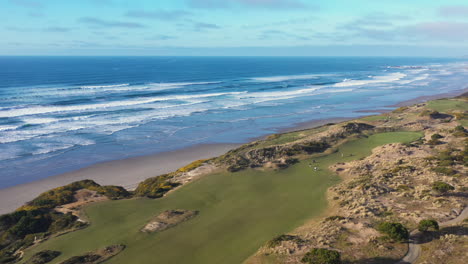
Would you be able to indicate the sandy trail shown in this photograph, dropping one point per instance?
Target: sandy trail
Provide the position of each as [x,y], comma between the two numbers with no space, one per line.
[414,249]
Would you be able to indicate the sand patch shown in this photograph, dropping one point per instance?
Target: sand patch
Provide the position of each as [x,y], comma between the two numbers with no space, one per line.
[168,219]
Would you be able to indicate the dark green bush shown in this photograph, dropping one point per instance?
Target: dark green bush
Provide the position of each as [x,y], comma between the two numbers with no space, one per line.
[460,131]
[434,142]
[291,161]
[43,257]
[394,231]
[445,170]
[425,225]
[442,187]
[322,256]
[313,147]
[240,163]
[113,192]
[90,258]
[436,136]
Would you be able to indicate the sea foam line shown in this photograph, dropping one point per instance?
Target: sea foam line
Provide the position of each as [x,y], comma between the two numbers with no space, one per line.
[54,109]
[374,80]
[286,78]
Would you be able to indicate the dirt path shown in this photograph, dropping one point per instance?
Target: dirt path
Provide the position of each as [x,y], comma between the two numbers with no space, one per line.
[414,249]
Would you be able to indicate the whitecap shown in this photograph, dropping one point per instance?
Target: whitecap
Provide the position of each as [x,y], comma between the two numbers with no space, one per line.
[8,127]
[377,79]
[286,78]
[104,86]
[34,110]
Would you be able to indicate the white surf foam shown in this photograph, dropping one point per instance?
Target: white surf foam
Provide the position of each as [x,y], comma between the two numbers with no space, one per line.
[34,110]
[286,78]
[104,86]
[415,79]
[375,80]
[42,120]
[8,127]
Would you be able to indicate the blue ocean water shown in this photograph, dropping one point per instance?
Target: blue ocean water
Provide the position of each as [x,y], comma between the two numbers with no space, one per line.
[58,114]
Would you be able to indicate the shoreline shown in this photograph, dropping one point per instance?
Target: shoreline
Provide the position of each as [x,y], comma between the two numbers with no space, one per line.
[125,172]
[131,171]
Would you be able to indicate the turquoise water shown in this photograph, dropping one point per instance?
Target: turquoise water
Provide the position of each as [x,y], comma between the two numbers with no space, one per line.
[58,114]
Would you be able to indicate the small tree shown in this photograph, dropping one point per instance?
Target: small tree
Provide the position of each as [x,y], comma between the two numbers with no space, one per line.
[425,225]
[442,187]
[395,231]
[322,256]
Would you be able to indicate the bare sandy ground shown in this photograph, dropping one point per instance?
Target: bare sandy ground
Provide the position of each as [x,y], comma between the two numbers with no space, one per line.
[127,173]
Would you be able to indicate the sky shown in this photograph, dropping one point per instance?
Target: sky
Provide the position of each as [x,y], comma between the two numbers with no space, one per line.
[234,27]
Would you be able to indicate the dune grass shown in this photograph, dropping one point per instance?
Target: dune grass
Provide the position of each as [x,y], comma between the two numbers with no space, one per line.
[239,212]
[374,118]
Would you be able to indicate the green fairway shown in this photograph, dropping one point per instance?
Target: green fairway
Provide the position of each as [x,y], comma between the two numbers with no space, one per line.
[239,212]
[446,105]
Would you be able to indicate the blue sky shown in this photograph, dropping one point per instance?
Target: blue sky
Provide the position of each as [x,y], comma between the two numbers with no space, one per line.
[234,27]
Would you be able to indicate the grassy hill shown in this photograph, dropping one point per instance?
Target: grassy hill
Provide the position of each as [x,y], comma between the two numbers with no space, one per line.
[238,212]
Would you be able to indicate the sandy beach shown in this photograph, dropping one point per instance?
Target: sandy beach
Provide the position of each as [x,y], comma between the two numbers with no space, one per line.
[129,172]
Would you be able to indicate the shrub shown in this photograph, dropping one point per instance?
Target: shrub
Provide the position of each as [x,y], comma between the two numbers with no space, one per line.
[43,257]
[334,217]
[445,170]
[19,229]
[402,168]
[460,131]
[434,142]
[394,231]
[112,192]
[240,163]
[65,194]
[192,165]
[309,148]
[322,256]
[156,187]
[444,163]
[90,258]
[277,240]
[291,161]
[442,187]
[425,225]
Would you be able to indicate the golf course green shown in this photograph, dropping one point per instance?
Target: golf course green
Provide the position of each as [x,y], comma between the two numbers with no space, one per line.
[238,212]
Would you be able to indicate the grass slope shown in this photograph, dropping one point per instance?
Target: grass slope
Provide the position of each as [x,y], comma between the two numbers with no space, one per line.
[239,212]
[447,105]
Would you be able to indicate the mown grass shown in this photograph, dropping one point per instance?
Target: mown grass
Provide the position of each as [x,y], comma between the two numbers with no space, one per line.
[278,139]
[239,212]
[447,105]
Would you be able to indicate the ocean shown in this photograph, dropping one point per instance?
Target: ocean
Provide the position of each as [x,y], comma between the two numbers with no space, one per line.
[59,114]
